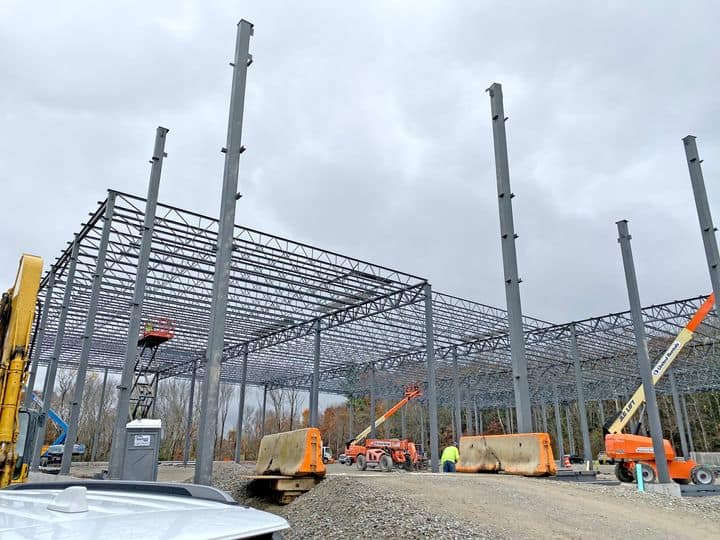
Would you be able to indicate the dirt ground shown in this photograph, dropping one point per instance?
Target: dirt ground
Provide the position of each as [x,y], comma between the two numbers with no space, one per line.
[515,507]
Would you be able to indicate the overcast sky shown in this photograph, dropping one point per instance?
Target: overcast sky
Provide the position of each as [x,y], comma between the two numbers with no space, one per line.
[368,132]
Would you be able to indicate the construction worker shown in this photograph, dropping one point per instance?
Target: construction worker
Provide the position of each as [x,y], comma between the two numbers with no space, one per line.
[449,457]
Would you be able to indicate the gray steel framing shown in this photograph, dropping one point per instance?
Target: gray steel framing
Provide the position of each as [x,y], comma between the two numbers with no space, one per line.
[510,266]
[653,413]
[117,450]
[223,259]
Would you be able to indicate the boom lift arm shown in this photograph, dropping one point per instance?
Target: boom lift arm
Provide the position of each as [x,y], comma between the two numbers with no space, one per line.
[410,393]
[17,312]
[666,360]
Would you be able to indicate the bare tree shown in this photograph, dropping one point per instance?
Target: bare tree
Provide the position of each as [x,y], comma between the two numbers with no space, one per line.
[277,399]
[227,394]
[294,398]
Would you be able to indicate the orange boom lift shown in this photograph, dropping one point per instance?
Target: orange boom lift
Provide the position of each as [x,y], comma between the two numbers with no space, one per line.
[631,449]
[384,453]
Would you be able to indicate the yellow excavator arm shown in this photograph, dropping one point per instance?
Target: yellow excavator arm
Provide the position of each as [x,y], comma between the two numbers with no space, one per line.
[666,360]
[17,312]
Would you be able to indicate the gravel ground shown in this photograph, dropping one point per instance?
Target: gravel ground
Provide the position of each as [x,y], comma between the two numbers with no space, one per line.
[351,504]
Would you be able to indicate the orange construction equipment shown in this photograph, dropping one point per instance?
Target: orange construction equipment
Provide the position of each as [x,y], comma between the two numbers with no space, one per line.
[525,454]
[364,455]
[631,449]
[386,454]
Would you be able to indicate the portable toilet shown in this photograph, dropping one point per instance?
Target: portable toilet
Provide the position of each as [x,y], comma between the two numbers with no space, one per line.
[142,449]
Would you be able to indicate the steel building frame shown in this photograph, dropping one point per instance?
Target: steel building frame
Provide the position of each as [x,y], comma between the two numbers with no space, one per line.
[368,315]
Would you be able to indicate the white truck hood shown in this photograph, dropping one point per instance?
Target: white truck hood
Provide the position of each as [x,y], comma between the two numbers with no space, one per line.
[114,514]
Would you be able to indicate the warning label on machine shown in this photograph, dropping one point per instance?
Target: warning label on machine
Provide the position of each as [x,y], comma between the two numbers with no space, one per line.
[142,440]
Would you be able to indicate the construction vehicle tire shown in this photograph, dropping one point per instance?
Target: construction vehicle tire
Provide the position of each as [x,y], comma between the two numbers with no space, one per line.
[386,463]
[361,462]
[623,474]
[648,474]
[702,475]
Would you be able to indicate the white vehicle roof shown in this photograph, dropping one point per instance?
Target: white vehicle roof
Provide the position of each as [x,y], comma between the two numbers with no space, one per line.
[133,510]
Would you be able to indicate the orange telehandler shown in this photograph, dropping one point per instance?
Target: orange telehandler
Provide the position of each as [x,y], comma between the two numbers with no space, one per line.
[385,453]
[631,449]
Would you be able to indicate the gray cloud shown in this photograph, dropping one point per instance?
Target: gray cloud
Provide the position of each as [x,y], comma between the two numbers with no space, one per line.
[368,132]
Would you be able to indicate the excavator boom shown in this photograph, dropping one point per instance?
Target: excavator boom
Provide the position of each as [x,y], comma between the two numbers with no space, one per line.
[17,312]
[666,360]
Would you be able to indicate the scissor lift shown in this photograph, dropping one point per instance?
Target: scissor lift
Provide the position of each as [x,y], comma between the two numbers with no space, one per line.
[144,389]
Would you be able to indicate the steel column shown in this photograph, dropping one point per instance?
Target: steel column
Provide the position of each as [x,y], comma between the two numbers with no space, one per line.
[315,392]
[431,383]
[373,429]
[707,229]
[582,411]
[189,418]
[477,420]
[37,350]
[452,424]
[643,359]
[223,262]
[558,424]
[351,410]
[101,407]
[568,425]
[691,442]
[72,429]
[468,420]
[544,418]
[456,389]
[480,416]
[678,413]
[510,267]
[57,349]
[241,406]
[264,408]
[117,450]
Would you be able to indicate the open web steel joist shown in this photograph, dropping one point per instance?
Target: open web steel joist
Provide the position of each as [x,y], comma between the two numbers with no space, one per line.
[367,315]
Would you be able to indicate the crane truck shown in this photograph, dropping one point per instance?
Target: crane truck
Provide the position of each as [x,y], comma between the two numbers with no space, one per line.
[384,453]
[17,426]
[630,449]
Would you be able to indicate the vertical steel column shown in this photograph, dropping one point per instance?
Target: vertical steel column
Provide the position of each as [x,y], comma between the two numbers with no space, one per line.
[510,267]
[315,392]
[403,424]
[431,383]
[72,429]
[262,426]
[373,429]
[101,407]
[468,420]
[452,424]
[651,406]
[37,350]
[678,413]
[189,418]
[477,419]
[223,261]
[117,450]
[422,428]
[558,424]
[568,425]
[241,406]
[480,416]
[351,411]
[456,389]
[691,442]
[707,229]
[544,417]
[582,411]
[57,349]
